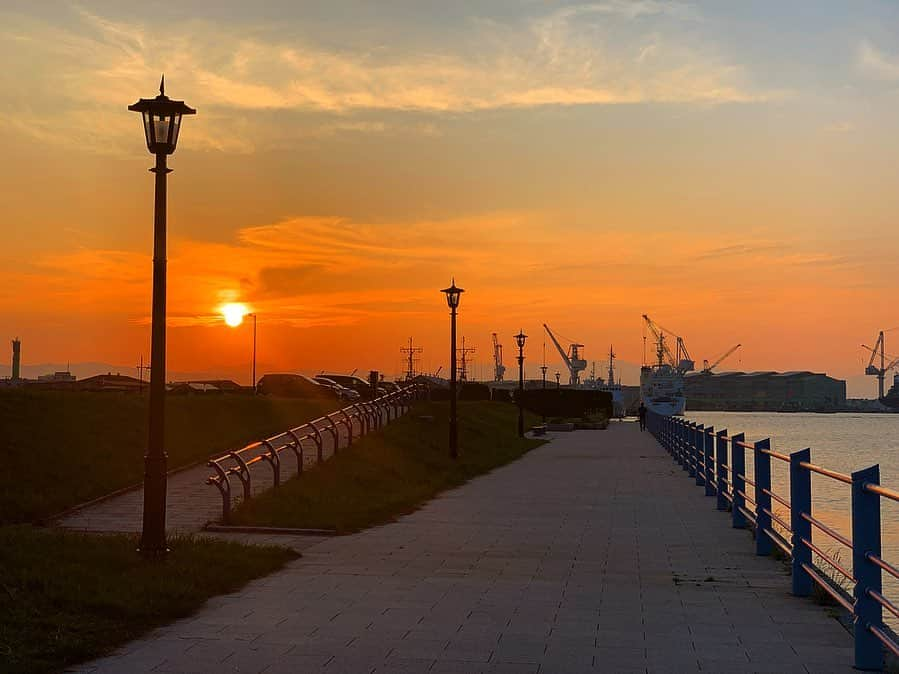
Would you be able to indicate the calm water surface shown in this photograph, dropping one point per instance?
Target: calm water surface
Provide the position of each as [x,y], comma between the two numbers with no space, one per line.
[840,442]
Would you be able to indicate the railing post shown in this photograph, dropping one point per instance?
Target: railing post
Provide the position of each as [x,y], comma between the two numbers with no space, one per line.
[702,469]
[738,484]
[696,452]
[709,461]
[678,441]
[866,541]
[720,471]
[801,502]
[762,500]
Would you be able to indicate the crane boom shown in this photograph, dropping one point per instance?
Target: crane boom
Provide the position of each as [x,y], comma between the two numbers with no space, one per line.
[573,360]
[558,346]
[708,368]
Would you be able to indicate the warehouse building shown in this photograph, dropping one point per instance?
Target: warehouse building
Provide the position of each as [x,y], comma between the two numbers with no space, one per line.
[765,392]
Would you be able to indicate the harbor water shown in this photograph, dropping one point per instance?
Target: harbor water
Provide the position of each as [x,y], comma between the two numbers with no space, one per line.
[840,442]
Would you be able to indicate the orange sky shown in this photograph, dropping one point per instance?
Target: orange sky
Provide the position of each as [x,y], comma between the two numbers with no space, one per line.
[562,174]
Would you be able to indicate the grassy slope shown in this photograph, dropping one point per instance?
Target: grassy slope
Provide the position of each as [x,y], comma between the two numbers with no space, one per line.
[66,598]
[61,449]
[390,473]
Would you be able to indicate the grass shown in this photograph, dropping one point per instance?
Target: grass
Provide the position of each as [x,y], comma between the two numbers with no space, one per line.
[393,472]
[66,598]
[60,449]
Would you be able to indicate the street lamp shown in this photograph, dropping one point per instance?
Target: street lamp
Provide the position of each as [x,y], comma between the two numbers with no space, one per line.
[234,315]
[453,294]
[519,340]
[162,123]
[543,369]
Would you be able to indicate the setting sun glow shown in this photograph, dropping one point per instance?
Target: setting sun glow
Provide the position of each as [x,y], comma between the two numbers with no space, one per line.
[234,313]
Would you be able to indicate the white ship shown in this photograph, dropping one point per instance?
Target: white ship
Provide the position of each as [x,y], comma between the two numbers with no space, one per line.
[662,389]
[662,383]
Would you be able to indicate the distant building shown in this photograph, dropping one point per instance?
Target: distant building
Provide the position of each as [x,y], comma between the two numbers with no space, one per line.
[16,360]
[764,391]
[57,376]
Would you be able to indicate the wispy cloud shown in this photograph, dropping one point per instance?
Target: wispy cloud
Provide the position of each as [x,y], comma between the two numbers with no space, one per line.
[568,56]
[877,63]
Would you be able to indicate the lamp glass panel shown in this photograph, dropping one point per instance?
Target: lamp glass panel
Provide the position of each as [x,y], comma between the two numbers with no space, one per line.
[147,127]
[161,128]
[176,127]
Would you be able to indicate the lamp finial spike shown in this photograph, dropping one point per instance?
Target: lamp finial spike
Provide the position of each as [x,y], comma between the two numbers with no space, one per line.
[162,85]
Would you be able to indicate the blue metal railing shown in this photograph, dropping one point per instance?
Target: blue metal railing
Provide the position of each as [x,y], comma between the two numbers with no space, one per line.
[717,462]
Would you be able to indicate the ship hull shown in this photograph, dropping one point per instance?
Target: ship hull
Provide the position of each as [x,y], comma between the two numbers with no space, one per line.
[667,408]
[662,390]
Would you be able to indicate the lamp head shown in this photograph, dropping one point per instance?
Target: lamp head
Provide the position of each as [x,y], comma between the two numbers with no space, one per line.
[453,294]
[520,339]
[162,120]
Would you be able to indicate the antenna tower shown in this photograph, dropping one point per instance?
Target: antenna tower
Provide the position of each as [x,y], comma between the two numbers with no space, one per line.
[411,359]
[463,360]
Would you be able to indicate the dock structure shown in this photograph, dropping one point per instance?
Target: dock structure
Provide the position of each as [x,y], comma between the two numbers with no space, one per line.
[591,553]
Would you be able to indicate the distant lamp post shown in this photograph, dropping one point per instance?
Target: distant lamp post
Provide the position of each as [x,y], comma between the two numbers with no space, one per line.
[162,124]
[234,315]
[543,369]
[520,339]
[453,295]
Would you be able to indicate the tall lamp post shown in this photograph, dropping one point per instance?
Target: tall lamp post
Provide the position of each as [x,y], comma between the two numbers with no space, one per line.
[162,122]
[453,294]
[234,315]
[543,369]
[519,340]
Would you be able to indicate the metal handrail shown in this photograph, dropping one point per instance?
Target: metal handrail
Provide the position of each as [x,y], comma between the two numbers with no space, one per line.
[777,519]
[836,535]
[828,588]
[881,491]
[779,499]
[884,639]
[840,477]
[779,541]
[886,566]
[781,457]
[827,558]
[883,601]
[290,440]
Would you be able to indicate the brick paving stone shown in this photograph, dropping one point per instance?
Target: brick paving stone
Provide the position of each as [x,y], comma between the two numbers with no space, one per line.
[581,556]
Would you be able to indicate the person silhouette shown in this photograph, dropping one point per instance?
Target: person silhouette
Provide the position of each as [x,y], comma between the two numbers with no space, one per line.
[642,414]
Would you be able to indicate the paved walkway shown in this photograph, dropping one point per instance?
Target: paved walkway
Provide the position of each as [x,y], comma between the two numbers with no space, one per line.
[591,553]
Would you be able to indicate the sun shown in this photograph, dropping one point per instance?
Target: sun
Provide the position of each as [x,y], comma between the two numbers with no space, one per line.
[234,313]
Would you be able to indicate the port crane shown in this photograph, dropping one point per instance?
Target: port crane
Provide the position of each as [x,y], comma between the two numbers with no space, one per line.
[681,359]
[572,358]
[611,379]
[498,368]
[707,368]
[879,372]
